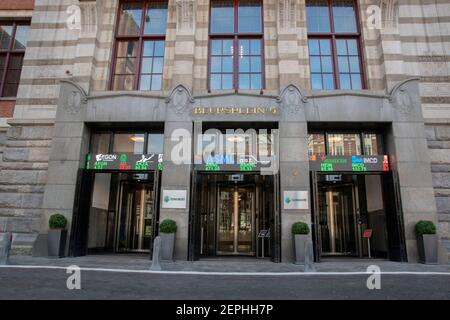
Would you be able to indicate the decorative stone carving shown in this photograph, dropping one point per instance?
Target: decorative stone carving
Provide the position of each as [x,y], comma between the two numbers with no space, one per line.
[402,98]
[389,14]
[287,14]
[185,16]
[179,99]
[291,99]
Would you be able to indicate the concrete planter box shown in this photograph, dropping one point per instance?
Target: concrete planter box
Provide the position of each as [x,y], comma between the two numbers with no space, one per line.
[56,242]
[167,245]
[427,246]
[299,248]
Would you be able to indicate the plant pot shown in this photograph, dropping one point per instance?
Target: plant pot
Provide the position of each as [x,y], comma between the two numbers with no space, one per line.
[427,246]
[300,248]
[56,242]
[167,245]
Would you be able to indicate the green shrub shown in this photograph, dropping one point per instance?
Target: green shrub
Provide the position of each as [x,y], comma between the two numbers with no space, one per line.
[57,221]
[168,226]
[425,227]
[300,228]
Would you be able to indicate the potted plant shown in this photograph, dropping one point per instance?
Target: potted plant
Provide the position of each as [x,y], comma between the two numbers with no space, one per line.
[300,231]
[57,235]
[427,242]
[167,230]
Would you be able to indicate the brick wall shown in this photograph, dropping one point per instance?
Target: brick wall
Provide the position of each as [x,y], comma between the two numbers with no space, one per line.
[7,108]
[16,4]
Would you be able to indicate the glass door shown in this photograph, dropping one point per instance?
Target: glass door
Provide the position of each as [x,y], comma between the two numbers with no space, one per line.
[236,220]
[135,228]
[337,221]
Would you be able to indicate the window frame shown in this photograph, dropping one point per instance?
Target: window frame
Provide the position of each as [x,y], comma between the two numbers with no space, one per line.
[11,51]
[140,38]
[333,36]
[236,36]
[325,132]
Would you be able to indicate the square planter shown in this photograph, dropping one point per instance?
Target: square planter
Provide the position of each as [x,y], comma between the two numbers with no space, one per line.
[56,242]
[167,245]
[300,248]
[427,246]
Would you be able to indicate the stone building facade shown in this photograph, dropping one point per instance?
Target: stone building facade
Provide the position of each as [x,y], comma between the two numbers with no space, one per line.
[65,91]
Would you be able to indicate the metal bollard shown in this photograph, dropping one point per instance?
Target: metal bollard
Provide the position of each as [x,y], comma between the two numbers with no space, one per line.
[309,257]
[156,258]
[6,248]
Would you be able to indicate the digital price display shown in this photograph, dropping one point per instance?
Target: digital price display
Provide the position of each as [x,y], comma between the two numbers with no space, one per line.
[355,163]
[125,162]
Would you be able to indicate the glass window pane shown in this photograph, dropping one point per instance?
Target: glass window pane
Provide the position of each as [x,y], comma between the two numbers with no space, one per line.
[130,19]
[244,64]
[343,64]
[372,144]
[125,65]
[10,89]
[354,64]
[5,36]
[216,81]
[227,47]
[255,47]
[244,47]
[222,16]
[158,65]
[156,82]
[328,81]
[123,82]
[129,143]
[341,47]
[344,16]
[315,64]
[344,79]
[327,66]
[21,37]
[216,64]
[249,13]
[256,81]
[255,64]
[227,81]
[144,83]
[156,18]
[356,81]
[325,47]
[317,15]
[127,49]
[146,65]
[244,81]
[100,143]
[313,47]
[316,81]
[344,144]
[227,64]
[155,143]
[148,48]
[352,47]
[159,48]
[316,143]
[216,47]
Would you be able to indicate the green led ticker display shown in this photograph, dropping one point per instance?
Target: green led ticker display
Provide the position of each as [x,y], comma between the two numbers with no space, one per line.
[124,162]
[356,163]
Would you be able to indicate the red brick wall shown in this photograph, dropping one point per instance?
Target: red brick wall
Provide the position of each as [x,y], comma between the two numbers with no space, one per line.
[16,4]
[7,108]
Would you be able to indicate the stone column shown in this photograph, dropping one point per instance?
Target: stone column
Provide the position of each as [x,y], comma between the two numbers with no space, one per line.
[412,161]
[176,174]
[294,162]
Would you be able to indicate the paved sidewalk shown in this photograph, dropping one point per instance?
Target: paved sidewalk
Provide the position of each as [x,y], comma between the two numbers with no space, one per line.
[225,264]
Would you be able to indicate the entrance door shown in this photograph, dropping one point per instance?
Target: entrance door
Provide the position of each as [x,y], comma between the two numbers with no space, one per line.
[136,220]
[337,220]
[236,220]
